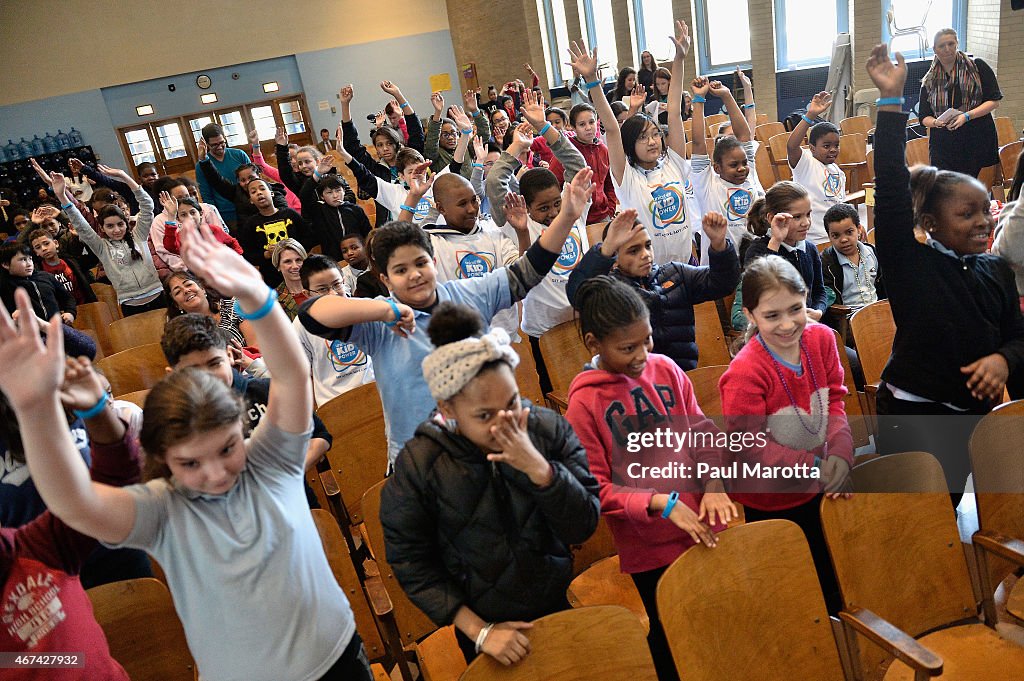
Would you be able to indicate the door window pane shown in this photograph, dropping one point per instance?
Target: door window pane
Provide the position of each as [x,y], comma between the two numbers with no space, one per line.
[656,19]
[171,142]
[728,32]
[263,121]
[809,31]
[234,128]
[197,127]
[140,146]
[291,114]
[598,13]
[908,14]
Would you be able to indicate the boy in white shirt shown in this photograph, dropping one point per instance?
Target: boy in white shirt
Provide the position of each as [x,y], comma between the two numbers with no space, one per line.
[815,169]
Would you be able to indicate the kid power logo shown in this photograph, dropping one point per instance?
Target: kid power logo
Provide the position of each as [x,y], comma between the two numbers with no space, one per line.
[667,206]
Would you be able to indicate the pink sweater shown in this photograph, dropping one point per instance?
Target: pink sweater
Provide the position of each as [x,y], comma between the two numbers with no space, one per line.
[597,398]
[271,172]
[754,399]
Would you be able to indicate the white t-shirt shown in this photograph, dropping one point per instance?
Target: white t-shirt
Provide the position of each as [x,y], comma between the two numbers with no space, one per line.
[467,256]
[547,305]
[731,200]
[827,187]
[337,366]
[350,276]
[392,196]
[659,198]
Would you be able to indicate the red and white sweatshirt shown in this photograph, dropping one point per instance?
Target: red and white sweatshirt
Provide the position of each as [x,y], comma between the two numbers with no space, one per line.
[598,402]
[754,400]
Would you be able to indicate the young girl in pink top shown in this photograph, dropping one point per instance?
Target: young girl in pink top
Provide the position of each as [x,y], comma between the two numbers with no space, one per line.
[786,385]
[625,390]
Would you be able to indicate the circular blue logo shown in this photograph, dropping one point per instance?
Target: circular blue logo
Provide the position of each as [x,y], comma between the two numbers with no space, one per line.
[570,253]
[739,203]
[473,265]
[667,205]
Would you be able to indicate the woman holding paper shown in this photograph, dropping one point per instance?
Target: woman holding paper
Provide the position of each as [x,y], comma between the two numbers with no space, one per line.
[958,96]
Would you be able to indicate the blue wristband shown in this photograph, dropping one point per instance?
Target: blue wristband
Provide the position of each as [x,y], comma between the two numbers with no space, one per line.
[672,499]
[591,86]
[67,205]
[890,101]
[699,99]
[547,126]
[467,132]
[260,313]
[807,119]
[394,308]
[408,208]
[94,410]
[748,106]
[967,115]
[403,105]
[478,165]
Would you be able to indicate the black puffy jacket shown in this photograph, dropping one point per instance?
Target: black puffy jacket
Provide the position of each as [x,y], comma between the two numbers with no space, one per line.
[460,530]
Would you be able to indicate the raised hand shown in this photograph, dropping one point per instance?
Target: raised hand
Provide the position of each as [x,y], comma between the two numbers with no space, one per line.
[637,98]
[325,164]
[253,135]
[75,165]
[576,194]
[700,86]
[379,118]
[681,39]
[113,172]
[479,149]
[437,101]
[819,104]
[621,231]
[780,227]
[469,101]
[392,89]
[529,69]
[281,137]
[462,121]
[741,79]
[43,175]
[533,110]
[515,212]
[59,184]
[220,267]
[889,78]
[716,228]
[583,61]
[717,89]
[30,372]
[201,149]
[346,93]
[82,388]
[419,183]
[339,139]
[170,205]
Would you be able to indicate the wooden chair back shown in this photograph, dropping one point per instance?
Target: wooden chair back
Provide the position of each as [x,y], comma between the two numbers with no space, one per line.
[603,642]
[96,317]
[139,329]
[870,159]
[876,538]
[712,348]
[526,373]
[852,400]
[604,583]
[760,120]
[854,125]
[713,120]
[765,131]
[917,152]
[143,630]
[601,545]
[764,167]
[412,623]
[1005,132]
[705,389]
[96,341]
[359,457]
[999,478]
[780,157]
[439,657]
[910,472]
[138,368]
[138,397]
[564,355]
[1008,154]
[105,293]
[757,582]
[873,331]
[852,159]
[345,574]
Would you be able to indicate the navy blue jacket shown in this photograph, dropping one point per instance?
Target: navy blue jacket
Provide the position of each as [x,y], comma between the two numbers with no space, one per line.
[670,291]
[808,262]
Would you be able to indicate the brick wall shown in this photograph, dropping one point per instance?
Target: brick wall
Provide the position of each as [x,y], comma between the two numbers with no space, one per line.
[982,39]
[1010,63]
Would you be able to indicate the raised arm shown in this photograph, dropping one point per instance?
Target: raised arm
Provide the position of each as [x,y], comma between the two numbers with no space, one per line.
[700,86]
[586,63]
[676,133]
[499,179]
[465,127]
[749,107]
[430,145]
[818,105]
[740,129]
[284,164]
[145,202]
[290,404]
[31,377]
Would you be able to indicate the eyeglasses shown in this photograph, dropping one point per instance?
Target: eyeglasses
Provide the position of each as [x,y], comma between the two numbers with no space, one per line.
[651,137]
[217,145]
[448,134]
[337,287]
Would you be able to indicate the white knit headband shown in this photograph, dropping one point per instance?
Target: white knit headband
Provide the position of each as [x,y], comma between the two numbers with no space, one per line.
[450,367]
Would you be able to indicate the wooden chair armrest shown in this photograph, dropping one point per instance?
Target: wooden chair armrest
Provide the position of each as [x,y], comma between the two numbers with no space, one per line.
[558,400]
[1005,547]
[892,640]
[378,595]
[855,198]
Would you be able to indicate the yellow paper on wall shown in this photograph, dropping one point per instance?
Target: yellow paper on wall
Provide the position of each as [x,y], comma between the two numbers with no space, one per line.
[439,82]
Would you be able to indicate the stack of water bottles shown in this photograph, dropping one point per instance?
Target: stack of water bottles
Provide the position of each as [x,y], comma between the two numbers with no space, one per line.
[37,146]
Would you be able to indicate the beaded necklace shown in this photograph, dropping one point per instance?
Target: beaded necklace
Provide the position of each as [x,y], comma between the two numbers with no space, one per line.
[822,414]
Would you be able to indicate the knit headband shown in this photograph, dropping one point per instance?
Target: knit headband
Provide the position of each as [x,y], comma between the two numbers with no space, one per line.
[450,367]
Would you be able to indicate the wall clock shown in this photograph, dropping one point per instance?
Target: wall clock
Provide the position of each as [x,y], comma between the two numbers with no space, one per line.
[204,81]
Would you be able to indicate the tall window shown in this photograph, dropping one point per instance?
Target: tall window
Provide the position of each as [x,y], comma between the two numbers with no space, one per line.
[931,15]
[806,29]
[724,41]
[597,23]
[555,35]
[654,23]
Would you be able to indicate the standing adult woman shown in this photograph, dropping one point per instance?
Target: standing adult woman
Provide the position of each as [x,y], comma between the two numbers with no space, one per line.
[967,142]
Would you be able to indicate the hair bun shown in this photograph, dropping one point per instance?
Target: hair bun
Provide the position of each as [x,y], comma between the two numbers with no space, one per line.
[452,322]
